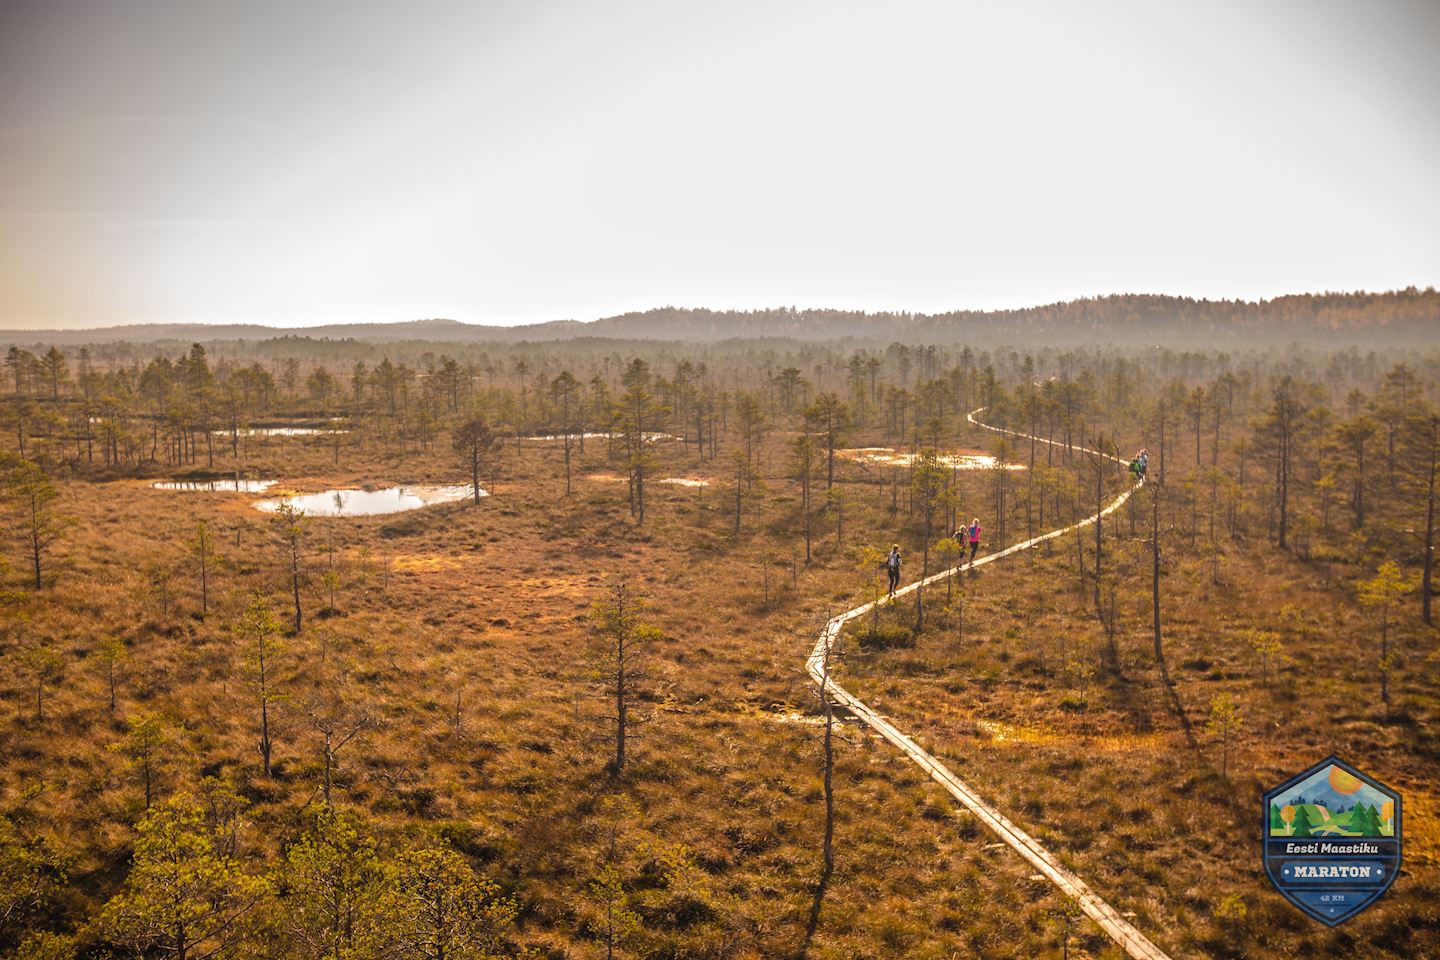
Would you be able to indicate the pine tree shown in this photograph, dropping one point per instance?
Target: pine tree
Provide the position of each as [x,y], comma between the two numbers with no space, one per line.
[185,895]
[1302,821]
[259,632]
[1225,722]
[146,746]
[32,873]
[477,445]
[622,640]
[33,496]
[288,523]
[636,412]
[614,921]
[927,488]
[336,889]
[443,910]
[1365,821]
[1382,593]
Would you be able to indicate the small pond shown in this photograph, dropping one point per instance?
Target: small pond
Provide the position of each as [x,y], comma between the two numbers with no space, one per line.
[283,432]
[365,503]
[961,460]
[649,436]
[231,485]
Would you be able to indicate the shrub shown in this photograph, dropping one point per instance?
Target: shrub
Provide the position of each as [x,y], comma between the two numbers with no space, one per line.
[887,636]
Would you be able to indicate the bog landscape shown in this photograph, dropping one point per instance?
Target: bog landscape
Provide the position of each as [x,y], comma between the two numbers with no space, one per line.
[719,481]
[448,643]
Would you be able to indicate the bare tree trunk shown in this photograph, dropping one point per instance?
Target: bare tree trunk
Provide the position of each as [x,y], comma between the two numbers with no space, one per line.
[739,494]
[1427,576]
[809,513]
[1155,572]
[329,763]
[1283,481]
[1099,508]
[295,583]
[36,548]
[828,844]
[1385,657]
[265,745]
[620,716]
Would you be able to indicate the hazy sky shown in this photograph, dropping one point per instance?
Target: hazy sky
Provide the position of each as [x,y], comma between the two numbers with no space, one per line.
[298,162]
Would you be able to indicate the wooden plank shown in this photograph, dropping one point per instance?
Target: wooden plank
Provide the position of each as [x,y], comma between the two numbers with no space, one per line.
[1124,933]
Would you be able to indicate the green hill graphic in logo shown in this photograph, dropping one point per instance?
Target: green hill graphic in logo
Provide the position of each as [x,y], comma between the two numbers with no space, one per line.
[1333,803]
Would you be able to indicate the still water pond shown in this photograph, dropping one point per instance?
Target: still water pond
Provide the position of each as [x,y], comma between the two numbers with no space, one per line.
[364,503]
[232,485]
[284,432]
[960,460]
[649,436]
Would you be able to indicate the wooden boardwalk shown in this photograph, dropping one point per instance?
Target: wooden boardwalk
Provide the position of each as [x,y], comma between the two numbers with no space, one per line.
[1135,943]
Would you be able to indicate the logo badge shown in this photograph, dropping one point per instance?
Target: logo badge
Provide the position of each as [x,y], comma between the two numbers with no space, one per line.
[1332,840]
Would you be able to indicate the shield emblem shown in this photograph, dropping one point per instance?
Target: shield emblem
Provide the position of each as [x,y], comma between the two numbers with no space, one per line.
[1332,840]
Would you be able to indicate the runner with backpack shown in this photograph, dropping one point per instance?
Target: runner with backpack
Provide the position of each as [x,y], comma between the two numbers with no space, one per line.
[892,567]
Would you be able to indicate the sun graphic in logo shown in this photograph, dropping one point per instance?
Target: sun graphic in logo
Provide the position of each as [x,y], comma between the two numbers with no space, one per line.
[1344,783]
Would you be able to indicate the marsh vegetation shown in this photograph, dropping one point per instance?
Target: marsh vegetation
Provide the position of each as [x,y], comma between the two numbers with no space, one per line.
[570,690]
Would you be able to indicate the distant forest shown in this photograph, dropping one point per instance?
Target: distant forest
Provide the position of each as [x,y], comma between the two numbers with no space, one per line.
[1396,318]
[1404,315]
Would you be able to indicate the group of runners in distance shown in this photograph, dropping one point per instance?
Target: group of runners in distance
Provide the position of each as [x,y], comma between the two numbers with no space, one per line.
[971,534]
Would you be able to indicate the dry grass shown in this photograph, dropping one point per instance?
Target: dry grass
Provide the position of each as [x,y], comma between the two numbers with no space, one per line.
[490,602]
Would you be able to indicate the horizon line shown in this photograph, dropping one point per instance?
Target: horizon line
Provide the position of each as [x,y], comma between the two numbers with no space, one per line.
[321,324]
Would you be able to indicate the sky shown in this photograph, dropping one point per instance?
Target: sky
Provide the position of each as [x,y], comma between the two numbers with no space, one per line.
[342,160]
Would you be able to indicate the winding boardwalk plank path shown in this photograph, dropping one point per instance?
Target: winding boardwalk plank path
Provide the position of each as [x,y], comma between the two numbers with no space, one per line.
[1135,943]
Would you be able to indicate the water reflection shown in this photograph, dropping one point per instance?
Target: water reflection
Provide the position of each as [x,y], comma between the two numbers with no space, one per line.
[364,503]
[282,432]
[649,436]
[887,456]
[233,485]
